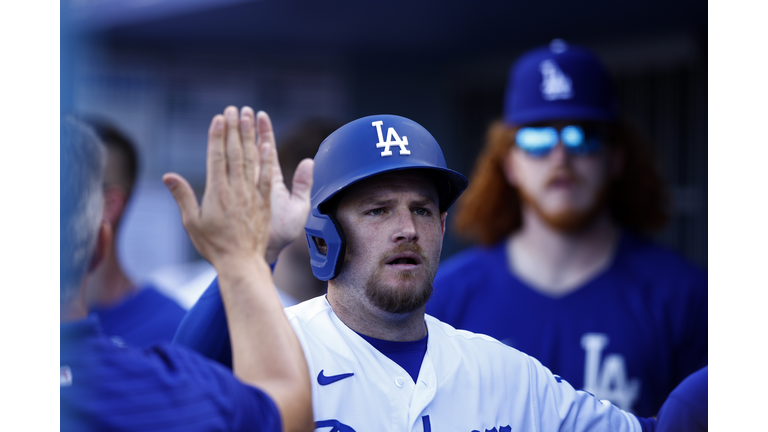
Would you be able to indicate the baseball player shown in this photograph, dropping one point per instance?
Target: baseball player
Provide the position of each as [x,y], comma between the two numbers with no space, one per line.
[377,362]
[560,199]
[108,387]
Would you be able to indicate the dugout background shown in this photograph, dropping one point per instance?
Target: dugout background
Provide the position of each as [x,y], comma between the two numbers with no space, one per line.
[161,69]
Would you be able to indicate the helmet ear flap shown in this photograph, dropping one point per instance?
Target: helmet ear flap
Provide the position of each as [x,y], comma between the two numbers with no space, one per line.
[327,245]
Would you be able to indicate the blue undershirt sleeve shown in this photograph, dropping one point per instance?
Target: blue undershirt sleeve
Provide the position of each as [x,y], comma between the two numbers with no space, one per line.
[648,424]
[204,327]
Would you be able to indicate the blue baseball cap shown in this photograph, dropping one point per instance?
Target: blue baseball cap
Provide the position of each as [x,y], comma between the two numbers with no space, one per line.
[559,82]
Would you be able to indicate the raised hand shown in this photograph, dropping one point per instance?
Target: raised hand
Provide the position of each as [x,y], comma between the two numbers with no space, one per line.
[232,222]
[231,230]
[289,208]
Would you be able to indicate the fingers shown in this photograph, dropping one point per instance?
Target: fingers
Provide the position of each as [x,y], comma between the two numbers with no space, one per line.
[277,172]
[235,154]
[302,180]
[185,197]
[248,136]
[265,176]
[266,146]
[216,163]
[234,146]
[264,127]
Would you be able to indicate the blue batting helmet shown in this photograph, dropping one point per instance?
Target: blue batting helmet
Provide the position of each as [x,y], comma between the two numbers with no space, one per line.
[361,149]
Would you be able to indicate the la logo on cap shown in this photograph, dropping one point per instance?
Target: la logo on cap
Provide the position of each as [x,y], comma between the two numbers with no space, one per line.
[555,84]
[391,133]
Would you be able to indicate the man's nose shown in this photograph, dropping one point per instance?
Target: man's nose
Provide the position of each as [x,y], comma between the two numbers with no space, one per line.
[405,227]
[559,155]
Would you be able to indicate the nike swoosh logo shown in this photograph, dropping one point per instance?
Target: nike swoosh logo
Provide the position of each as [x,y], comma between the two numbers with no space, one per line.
[325,380]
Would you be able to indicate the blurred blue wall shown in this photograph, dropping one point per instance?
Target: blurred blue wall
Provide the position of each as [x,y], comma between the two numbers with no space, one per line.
[160,70]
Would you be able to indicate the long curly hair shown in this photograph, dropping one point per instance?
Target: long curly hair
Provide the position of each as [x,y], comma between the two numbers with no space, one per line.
[490,208]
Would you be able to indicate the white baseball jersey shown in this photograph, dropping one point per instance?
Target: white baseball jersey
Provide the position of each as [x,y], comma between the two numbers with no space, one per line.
[467,382]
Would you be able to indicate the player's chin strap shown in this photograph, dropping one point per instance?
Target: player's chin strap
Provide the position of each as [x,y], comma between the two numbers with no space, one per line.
[327,259]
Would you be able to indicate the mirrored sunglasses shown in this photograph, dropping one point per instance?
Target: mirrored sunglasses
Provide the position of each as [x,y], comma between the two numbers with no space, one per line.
[578,140]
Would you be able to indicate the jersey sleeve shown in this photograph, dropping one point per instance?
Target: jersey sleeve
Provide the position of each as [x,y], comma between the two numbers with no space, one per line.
[692,319]
[685,410]
[252,409]
[561,407]
[239,406]
[204,328]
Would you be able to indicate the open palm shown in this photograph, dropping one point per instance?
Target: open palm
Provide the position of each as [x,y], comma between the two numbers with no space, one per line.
[289,208]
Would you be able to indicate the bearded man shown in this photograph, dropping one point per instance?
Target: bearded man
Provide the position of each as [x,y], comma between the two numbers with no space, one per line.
[378,363]
[560,198]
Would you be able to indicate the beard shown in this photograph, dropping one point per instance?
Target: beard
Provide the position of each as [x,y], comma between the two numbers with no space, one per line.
[409,294]
[568,220]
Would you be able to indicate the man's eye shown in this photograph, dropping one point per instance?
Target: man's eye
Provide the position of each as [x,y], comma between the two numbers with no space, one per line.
[376,212]
[421,211]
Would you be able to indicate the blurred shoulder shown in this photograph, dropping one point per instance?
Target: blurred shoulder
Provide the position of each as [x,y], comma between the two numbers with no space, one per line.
[651,260]
[474,259]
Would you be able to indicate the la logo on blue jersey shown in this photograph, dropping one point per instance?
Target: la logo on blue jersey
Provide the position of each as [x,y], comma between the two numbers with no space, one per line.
[391,133]
[608,380]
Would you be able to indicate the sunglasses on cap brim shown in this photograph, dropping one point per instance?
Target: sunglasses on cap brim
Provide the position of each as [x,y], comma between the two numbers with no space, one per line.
[578,140]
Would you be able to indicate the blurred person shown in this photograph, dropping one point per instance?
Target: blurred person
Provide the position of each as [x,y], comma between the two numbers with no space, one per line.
[139,315]
[293,274]
[686,409]
[560,199]
[105,386]
[378,363]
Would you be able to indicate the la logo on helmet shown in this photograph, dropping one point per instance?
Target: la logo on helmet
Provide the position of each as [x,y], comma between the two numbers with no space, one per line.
[390,142]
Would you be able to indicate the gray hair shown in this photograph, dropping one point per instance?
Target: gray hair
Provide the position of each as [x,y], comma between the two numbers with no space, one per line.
[82,160]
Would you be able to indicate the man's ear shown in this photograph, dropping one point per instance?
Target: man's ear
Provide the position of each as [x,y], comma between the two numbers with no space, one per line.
[103,244]
[115,198]
[443,218]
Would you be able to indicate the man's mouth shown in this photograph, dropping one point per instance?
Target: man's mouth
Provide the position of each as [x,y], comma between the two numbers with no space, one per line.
[407,258]
[558,183]
[562,180]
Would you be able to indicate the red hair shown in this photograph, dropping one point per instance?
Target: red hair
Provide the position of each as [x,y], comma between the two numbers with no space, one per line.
[490,208]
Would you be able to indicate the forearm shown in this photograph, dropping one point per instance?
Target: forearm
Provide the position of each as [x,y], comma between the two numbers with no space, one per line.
[230,229]
[265,350]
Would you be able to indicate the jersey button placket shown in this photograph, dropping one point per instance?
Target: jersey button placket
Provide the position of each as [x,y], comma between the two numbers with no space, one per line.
[400,382]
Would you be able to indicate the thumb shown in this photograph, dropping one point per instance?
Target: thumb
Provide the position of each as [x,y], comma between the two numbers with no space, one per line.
[184,195]
[302,180]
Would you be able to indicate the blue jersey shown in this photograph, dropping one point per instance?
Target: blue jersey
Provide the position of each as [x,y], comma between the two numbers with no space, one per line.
[629,335]
[686,407]
[144,319]
[108,387]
